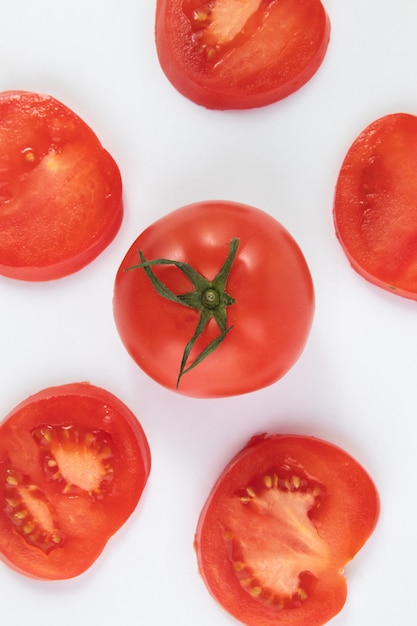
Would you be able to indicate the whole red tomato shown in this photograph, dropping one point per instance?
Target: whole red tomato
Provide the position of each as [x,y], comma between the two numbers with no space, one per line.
[225,54]
[60,190]
[74,461]
[214,299]
[281,522]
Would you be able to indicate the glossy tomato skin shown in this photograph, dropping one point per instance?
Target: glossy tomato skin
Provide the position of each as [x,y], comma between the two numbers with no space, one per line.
[277,48]
[55,433]
[288,511]
[269,280]
[375,206]
[60,190]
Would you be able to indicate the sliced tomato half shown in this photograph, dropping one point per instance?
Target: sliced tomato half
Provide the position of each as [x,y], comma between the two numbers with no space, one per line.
[282,521]
[74,461]
[60,190]
[239,54]
[375,206]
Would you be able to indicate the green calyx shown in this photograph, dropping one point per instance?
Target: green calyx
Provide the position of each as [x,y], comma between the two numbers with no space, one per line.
[209,298]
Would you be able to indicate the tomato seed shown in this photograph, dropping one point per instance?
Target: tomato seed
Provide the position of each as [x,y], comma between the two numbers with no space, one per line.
[238,566]
[302,594]
[200,16]
[296,481]
[28,528]
[255,591]
[22,514]
[267,481]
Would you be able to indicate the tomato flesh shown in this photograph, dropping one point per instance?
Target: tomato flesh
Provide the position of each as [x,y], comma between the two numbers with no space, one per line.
[375,206]
[280,524]
[282,505]
[269,289]
[30,513]
[73,464]
[79,460]
[216,24]
[60,190]
[228,54]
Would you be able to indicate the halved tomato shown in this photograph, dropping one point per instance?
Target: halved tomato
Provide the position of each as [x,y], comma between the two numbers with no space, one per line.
[74,461]
[375,206]
[282,521]
[239,54]
[60,190]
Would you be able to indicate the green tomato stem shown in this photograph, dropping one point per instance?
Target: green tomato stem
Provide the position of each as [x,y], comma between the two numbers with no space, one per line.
[209,298]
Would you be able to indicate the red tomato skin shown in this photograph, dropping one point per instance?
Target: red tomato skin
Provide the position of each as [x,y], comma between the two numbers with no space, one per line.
[375,206]
[269,279]
[345,521]
[292,37]
[60,190]
[87,525]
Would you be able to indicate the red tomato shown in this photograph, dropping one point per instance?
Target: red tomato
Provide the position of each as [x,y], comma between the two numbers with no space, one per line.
[229,54]
[60,190]
[375,207]
[282,521]
[74,461]
[238,301]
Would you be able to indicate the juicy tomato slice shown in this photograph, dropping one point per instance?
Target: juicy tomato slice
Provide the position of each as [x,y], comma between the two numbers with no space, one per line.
[240,54]
[269,299]
[280,524]
[375,206]
[74,461]
[60,190]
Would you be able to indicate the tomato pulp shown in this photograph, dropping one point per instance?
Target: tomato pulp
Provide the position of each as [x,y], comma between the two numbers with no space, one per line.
[229,54]
[236,303]
[74,461]
[60,190]
[375,206]
[282,521]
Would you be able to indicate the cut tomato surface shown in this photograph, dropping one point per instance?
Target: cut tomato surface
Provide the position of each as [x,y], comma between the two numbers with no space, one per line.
[239,54]
[60,190]
[282,521]
[375,206]
[214,299]
[74,461]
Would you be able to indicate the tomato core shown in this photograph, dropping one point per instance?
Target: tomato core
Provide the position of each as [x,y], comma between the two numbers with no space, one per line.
[279,565]
[79,460]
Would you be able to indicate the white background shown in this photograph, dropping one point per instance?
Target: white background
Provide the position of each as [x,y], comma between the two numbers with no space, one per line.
[355,384]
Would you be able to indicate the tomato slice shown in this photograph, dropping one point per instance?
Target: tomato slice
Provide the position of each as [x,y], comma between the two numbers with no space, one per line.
[375,206]
[60,190]
[239,54]
[214,299]
[74,461]
[284,518]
